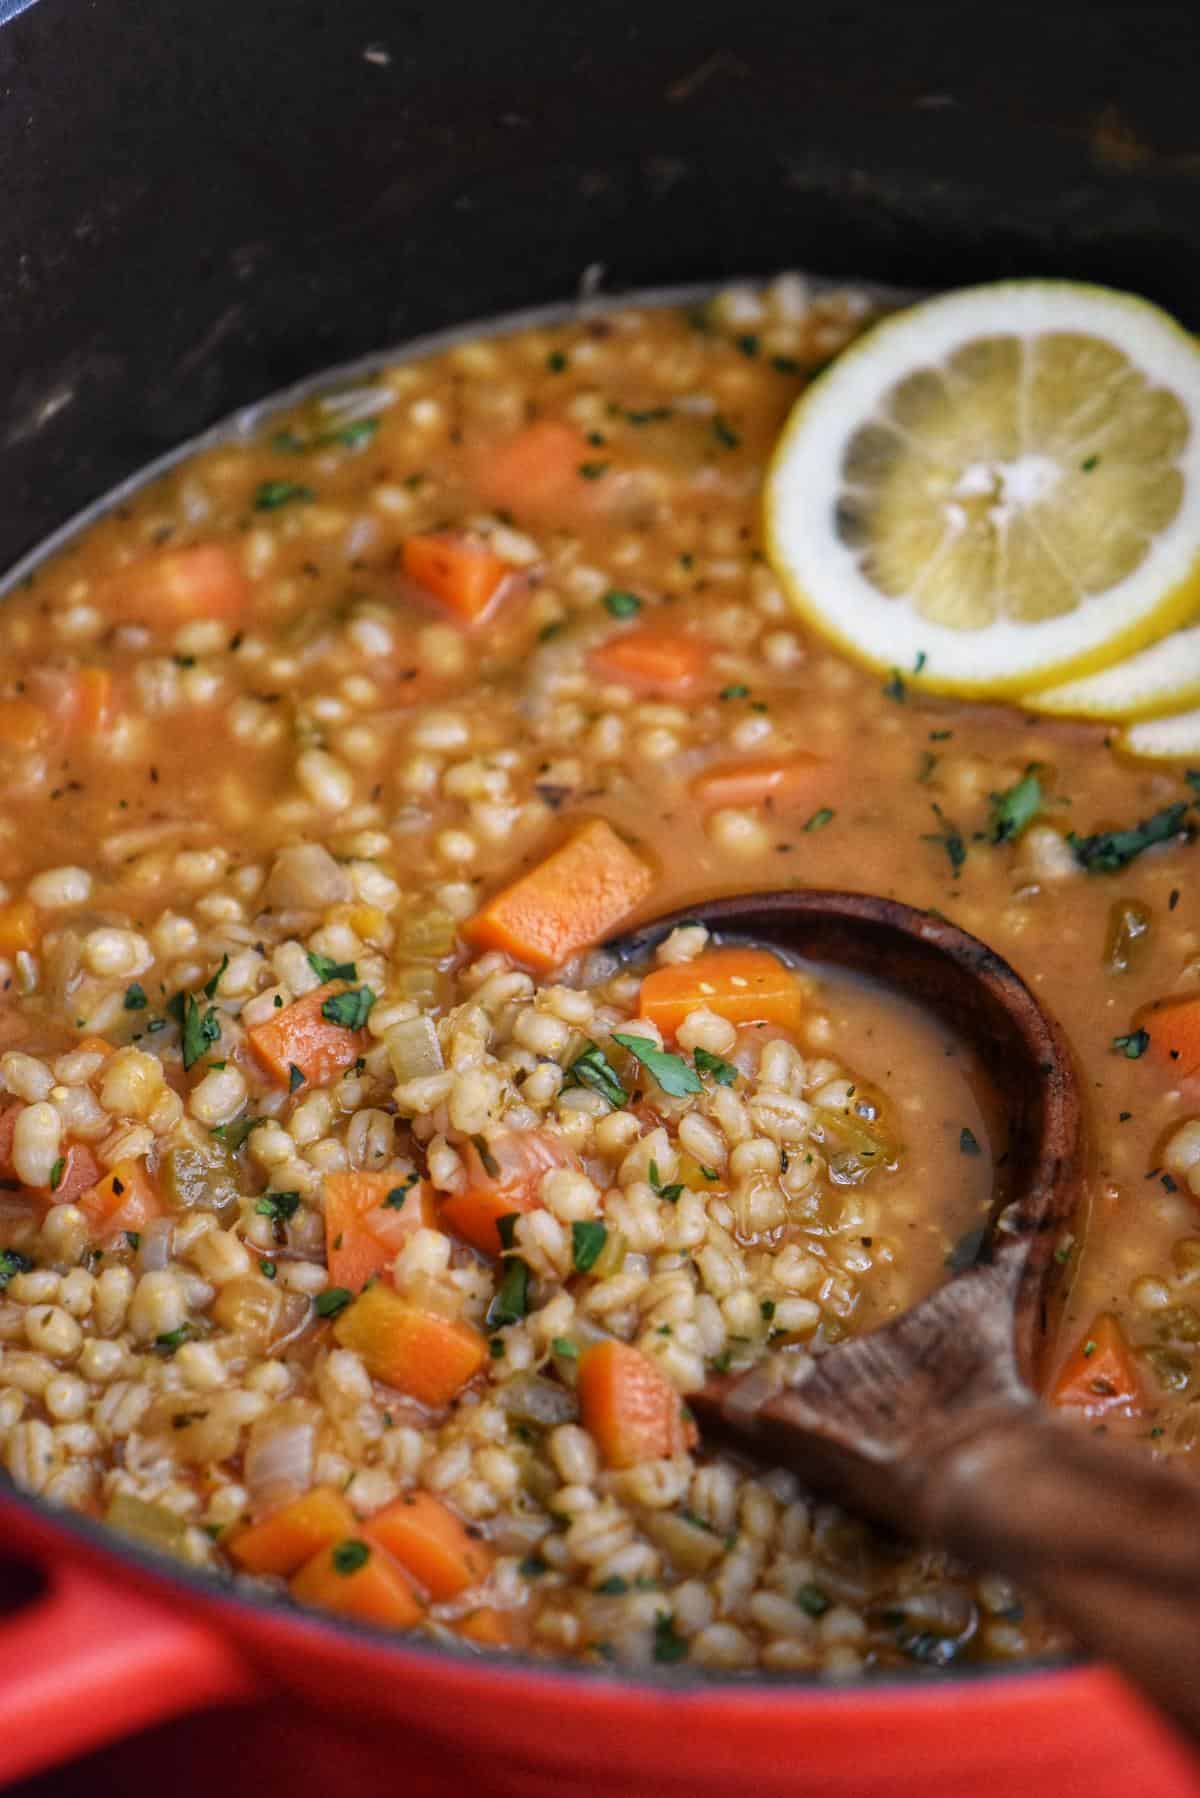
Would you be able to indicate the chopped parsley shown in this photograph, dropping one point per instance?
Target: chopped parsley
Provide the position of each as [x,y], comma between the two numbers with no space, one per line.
[1109,850]
[812,1600]
[295,1077]
[766,1310]
[723,1072]
[281,1205]
[170,1340]
[556,362]
[396,1197]
[533,1567]
[234,1135]
[332,1301]
[894,687]
[57,1172]
[670,1192]
[951,840]
[562,1345]
[968,1142]
[506,1229]
[13,1262]
[1133,1046]
[199,1028]
[592,471]
[351,1010]
[350,1555]
[511,1302]
[737,691]
[748,344]
[211,985]
[325,968]
[820,819]
[1014,810]
[135,997]
[273,494]
[133,1238]
[588,1238]
[669,1645]
[785,365]
[612,1587]
[670,1072]
[620,603]
[593,1070]
[724,432]
[267,1269]
[1088,463]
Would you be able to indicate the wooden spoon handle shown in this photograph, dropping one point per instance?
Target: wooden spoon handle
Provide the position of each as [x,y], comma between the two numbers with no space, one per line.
[1108,1538]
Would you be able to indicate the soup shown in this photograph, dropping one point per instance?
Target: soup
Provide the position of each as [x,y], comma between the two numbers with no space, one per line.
[364,1224]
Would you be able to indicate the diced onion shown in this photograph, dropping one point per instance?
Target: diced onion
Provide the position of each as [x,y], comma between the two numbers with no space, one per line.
[414,1049]
[305,876]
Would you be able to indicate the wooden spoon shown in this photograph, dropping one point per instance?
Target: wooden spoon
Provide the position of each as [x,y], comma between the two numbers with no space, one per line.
[928,1423]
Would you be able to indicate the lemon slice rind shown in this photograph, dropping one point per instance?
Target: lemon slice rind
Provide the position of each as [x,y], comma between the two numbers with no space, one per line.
[1006,658]
[1173,739]
[1162,678]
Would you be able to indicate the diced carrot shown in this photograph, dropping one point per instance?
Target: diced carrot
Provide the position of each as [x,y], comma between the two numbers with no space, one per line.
[487,1627]
[536,472]
[1174,1029]
[292,1535]
[363,1232]
[125,1199]
[430,1543]
[630,1409]
[581,892]
[429,1357]
[18,926]
[744,986]
[1099,1374]
[458,568]
[298,1036]
[23,725]
[369,1587]
[176,585]
[519,1159]
[772,781]
[660,663]
[80,1173]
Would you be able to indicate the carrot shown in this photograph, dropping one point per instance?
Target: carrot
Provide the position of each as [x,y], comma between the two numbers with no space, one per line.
[745,986]
[487,1627]
[299,1036]
[23,725]
[1175,1036]
[80,1173]
[368,1218]
[519,1160]
[458,568]
[1099,1374]
[356,1580]
[573,899]
[630,1409]
[430,1543]
[431,1358]
[125,1199]
[537,471]
[175,585]
[18,926]
[660,663]
[79,701]
[288,1537]
[772,781]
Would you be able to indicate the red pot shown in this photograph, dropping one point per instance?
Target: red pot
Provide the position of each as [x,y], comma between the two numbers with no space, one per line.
[116,1643]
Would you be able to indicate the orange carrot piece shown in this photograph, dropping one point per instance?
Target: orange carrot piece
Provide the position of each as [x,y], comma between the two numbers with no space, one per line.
[430,1543]
[1099,1375]
[744,986]
[520,1159]
[1175,1036]
[369,1587]
[770,781]
[298,1036]
[430,1358]
[487,1627]
[536,472]
[630,1409]
[581,892]
[660,663]
[363,1232]
[125,1199]
[204,580]
[23,725]
[458,568]
[80,1173]
[18,926]
[284,1540]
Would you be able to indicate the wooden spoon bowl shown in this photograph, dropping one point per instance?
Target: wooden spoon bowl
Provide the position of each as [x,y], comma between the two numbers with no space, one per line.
[928,1423]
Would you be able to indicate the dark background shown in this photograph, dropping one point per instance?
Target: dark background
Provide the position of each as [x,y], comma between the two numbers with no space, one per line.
[202,199]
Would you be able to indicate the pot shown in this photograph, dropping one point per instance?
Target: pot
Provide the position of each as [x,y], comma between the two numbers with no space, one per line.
[205,204]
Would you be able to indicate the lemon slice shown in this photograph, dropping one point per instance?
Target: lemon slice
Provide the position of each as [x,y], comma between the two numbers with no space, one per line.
[1174,739]
[1163,678]
[996,489]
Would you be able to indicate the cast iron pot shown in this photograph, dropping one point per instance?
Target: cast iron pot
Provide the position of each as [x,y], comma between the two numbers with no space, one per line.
[204,200]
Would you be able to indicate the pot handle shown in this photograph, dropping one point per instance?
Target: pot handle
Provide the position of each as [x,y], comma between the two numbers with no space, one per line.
[86,1662]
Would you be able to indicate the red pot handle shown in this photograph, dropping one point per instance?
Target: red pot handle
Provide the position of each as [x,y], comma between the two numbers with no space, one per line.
[87,1662]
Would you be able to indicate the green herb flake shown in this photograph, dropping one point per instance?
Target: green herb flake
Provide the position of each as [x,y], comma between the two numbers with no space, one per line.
[200,1028]
[1109,850]
[326,969]
[620,603]
[1088,463]
[819,819]
[710,1173]
[556,362]
[592,471]
[723,1072]
[950,838]
[812,1601]
[397,1195]
[669,1645]
[670,1072]
[588,1237]
[766,1308]
[1014,810]
[234,1135]
[135,997]
[894,687]
[724,432]
[13,1262]
[968,1142]
[748,344]
[270,495]
[296,1077]
[267,1269]
[549,631]
[562,1345]
[133,1238]
[736,691]
[332,1301]
[593,1070]
[350,1555]
[170,1340]
[511,1302]
[57,1172]
[1089,1349]
[210,986]
[649,415]
[1133,1046]
[506,1229]
[350,1010]
[533,1567]
[612,1587]
[278,1206]
[496,1348]
[786,365]
[671,1192]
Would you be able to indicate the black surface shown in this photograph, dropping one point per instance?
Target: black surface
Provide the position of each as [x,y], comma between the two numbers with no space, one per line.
[203,199]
